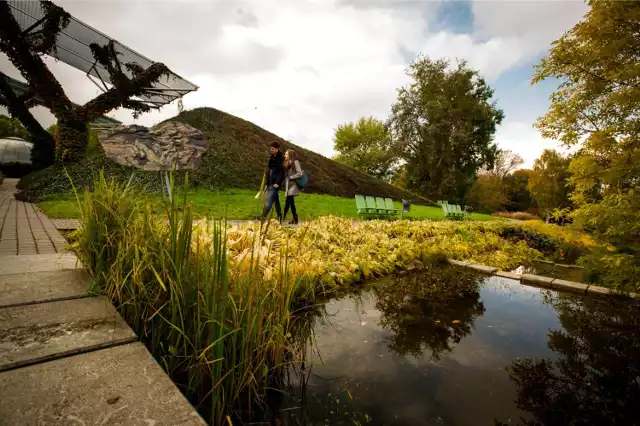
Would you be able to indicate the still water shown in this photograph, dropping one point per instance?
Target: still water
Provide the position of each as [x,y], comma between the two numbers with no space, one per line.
[447,347]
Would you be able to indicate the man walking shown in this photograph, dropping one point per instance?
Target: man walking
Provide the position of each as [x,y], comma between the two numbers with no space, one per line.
[274,178]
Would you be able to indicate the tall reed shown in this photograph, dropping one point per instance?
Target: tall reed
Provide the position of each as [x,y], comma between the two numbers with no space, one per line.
[221,336]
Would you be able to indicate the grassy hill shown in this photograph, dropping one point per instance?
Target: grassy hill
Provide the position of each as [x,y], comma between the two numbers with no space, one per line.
[238,152]
[237,156]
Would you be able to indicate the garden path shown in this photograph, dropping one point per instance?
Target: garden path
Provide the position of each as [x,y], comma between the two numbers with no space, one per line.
[67,357]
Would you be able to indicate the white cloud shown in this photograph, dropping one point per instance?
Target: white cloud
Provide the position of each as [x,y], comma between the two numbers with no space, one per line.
[299,68]
[522,138]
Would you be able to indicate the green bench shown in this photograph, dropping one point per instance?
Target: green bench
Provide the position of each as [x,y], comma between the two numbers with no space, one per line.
[453,211]
[375,207]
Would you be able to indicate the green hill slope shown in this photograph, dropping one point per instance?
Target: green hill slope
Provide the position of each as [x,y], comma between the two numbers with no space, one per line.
[237,156]
[238,152]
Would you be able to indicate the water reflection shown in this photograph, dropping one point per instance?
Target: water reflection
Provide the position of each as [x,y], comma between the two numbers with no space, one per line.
[447,347]
[428,314]
[596,377]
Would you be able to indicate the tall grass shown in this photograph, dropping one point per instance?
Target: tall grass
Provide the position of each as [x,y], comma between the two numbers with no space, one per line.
[221,337]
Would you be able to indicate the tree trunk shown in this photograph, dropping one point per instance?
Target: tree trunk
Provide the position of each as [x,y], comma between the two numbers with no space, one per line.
[71,139]
[43,151]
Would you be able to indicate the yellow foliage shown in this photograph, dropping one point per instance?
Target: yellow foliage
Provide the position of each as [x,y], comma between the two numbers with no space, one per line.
[341,251]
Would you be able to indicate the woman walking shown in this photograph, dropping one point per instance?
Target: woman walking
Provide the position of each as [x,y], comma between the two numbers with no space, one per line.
[293,171]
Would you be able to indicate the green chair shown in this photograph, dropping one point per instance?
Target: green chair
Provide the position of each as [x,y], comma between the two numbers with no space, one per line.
[389,203]
[361,206]
[451,211]
[371,205]
[381,206]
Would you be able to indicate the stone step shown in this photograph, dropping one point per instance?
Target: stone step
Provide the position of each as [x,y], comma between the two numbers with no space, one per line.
[38,263]
[36,333]
[122,385]
[39,287]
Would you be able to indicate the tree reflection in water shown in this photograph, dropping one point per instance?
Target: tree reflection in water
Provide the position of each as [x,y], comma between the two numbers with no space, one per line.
[596,378]
[426,313]
[429,313]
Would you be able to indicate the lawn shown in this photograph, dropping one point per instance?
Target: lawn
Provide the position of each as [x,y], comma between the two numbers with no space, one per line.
[238,204]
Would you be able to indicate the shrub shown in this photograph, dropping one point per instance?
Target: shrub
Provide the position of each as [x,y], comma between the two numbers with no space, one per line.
[619,271]
[516,215]
[15,170]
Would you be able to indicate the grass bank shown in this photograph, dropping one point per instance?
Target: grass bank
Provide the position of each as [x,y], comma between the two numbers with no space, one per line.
[216,306]
[239,204]
[237,156]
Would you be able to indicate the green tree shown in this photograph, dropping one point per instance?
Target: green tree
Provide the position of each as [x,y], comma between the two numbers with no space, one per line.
[25,49]
[444,123]
[366,146]
[597,107]
[516,189]
[12,127]
[548,183]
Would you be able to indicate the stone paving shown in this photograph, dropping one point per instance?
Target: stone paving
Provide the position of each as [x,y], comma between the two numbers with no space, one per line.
[24,230]
[67,357]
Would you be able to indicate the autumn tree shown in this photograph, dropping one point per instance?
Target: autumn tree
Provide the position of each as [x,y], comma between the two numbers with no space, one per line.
[25,47]
[597,108]
[366,146]
[548,183]
[506,162]
[488,192]
[444,122]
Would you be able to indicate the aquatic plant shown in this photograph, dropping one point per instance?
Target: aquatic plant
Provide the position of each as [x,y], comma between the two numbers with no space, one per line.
[221,335]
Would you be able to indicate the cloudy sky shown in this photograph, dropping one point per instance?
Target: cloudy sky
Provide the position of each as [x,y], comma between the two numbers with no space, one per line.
[299,68]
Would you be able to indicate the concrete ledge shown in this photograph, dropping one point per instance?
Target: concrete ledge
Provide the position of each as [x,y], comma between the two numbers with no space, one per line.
[482,268]
[599,291]
[549,282]
[36,333]
[537,279]
[39,287]
[561,265]
[505,274]
[122,385]
[569,286]
[38,263]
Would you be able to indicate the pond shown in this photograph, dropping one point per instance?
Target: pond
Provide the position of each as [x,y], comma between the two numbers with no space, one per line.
[447,347]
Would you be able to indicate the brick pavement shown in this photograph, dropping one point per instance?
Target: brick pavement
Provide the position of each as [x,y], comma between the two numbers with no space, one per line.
[24,230]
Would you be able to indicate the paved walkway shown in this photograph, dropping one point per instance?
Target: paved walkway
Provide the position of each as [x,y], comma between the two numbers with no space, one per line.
[67,358]
[24,230]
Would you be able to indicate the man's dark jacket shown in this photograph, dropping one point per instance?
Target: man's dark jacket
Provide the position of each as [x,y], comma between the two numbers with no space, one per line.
[275,172]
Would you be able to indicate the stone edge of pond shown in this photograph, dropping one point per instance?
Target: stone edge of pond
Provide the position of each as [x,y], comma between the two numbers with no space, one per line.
[541,281]
[559,265]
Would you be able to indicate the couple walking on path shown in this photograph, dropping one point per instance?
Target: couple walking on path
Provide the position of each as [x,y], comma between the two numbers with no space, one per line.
[282,169]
